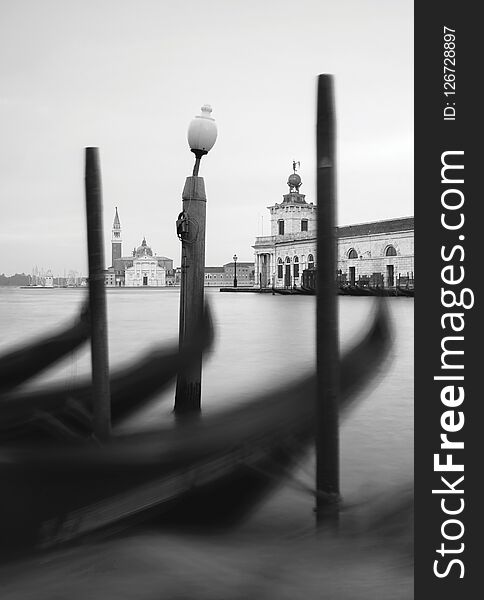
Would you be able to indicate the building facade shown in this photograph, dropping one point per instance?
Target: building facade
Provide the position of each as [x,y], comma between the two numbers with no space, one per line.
[224,276]
[376,253]
[243,270]
[109,278]
[142,268]
[214,277]
[145,269]
[49,279]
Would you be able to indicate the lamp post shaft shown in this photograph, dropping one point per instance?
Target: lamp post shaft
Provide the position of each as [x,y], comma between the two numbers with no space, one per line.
[327,352]
[188,385]
[97,297]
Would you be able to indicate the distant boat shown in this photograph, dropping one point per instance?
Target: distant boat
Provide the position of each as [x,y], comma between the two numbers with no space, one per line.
[285,291]
[406,291]
[214,467]
[37,287]
[307,291]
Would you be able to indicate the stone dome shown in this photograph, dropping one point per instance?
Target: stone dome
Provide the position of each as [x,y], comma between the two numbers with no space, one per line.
[143,250]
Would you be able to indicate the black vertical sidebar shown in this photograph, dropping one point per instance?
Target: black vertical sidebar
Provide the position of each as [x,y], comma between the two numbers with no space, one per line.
[449,243]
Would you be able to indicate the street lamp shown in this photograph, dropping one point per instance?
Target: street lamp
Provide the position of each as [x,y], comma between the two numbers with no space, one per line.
[202,133]
[235,270]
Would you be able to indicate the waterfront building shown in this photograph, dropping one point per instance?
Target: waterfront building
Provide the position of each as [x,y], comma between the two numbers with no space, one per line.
[375,253]
[244,271]
[224,276]
[109,278]
[215,277]
[145,269]
[142,268]
[49,279]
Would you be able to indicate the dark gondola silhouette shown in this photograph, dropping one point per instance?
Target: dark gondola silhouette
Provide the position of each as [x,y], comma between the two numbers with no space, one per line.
[349,290]
[211,468]
[20,365]
[56,413]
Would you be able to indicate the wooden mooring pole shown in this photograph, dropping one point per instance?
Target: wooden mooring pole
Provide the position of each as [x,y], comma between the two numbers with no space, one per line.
[188,385]
[97,298]
[327,352]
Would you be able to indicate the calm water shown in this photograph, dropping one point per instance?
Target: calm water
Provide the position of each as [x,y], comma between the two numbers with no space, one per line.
[261,341]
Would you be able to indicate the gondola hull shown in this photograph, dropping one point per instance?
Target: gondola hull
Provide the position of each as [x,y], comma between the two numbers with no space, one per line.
[57,413]
[55,494]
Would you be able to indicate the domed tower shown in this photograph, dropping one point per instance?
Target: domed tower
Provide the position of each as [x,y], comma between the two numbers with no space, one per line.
[116,242]
[294,215]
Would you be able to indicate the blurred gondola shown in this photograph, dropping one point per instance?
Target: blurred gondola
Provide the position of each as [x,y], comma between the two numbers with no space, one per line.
[214,467]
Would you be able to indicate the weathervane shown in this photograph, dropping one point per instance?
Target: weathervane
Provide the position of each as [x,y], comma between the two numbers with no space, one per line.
[295,165]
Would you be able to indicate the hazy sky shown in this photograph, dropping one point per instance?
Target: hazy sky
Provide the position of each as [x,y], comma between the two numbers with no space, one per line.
[128,76]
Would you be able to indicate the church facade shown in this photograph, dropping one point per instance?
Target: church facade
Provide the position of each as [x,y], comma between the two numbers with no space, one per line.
[142,268]
[145,269]
[379,253]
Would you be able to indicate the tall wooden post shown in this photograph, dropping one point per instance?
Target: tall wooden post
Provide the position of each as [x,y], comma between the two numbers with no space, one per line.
[188,385]
[327,435]
[97,298]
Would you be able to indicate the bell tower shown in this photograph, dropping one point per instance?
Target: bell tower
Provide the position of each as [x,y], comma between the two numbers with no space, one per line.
[116,251]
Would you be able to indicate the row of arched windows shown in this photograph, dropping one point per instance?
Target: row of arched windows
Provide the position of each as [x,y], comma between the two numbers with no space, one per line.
[389,251]
[295,261]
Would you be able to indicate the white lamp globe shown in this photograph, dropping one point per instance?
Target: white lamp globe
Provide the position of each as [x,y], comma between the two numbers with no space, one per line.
[202,131]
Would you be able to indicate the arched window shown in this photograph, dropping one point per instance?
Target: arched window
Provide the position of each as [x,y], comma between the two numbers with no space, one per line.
[280,267]
[390,251]
[296,266]
[352,253]
[288,260]
[310,261]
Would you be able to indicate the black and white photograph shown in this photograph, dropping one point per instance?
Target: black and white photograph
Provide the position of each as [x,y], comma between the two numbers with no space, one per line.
[207,287]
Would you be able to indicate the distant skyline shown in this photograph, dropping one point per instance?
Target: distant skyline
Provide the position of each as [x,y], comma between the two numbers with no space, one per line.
[128,76]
